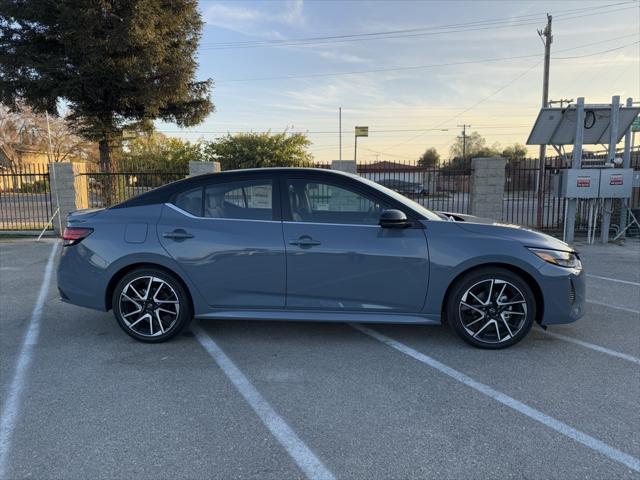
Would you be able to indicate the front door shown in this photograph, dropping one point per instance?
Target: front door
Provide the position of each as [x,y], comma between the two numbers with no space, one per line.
[340,259]
[226,239]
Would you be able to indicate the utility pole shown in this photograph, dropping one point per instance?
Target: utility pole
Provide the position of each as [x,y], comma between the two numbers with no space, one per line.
[340,129]
[547,39]
[464,127]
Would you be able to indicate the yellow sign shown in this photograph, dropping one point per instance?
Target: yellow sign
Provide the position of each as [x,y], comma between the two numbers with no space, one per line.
[362,131]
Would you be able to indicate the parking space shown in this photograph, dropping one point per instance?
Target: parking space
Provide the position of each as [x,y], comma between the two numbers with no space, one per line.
[318,400]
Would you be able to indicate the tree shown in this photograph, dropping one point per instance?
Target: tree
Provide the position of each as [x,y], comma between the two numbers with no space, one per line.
[158,153]
[430,158]
[256,150]
[514,153]
[116,64]
[25,129]
[16,129]
[476,146]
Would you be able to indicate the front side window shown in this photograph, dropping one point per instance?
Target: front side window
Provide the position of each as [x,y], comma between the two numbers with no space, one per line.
[248,200]
[319,202]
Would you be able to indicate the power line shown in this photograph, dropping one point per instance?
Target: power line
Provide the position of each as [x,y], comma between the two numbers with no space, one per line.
[434,65]
[335,132]
[505,22]
[506,85]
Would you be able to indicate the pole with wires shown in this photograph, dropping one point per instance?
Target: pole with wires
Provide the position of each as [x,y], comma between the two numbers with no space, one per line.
[464,127]
[547,39]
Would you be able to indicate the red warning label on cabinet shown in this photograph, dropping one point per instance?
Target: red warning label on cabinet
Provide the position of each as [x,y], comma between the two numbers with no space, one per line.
[616,180]
[583,182]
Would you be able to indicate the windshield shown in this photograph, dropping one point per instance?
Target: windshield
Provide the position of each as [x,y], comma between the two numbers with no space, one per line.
[402,199]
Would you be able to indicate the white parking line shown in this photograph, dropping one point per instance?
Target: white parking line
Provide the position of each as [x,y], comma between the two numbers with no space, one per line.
[615,307]
[626,282]
[11,407]
[560,427]
[593,346]
[311,465]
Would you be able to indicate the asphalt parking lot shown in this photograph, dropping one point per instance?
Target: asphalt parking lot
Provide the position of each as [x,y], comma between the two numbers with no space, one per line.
[80,399]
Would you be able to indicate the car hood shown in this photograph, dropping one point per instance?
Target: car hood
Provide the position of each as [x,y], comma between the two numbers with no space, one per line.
[526,236]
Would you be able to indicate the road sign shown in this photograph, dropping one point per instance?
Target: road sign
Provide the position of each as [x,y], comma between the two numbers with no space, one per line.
[362,131]
[635,126]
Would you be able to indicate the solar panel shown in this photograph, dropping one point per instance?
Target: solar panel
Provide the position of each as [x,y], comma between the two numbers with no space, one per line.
[557,126]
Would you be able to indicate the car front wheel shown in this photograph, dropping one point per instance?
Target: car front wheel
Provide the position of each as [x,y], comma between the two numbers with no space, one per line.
[151,305]
[491,308]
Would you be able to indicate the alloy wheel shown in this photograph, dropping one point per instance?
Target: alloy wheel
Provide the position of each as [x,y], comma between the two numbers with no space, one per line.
[149,306]
[493,311]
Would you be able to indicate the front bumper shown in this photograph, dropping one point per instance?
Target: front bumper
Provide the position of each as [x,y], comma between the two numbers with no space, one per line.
[564,294]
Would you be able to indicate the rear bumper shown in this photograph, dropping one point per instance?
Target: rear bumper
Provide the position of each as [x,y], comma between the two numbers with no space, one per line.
[564,294]
[80,281]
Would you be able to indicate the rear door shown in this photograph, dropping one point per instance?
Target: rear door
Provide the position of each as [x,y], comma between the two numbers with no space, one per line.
[227,236]
[340,259]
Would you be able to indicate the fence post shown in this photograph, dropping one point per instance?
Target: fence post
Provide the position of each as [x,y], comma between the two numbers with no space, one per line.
[63,192]
[81,184]
[487,187]
[348,166]
[202,168]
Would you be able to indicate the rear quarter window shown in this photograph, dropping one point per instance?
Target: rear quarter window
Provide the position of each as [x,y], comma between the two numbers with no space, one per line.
[190,201]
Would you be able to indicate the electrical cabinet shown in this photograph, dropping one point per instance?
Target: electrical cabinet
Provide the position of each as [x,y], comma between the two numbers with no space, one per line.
[594,182]
[580,183]
[616,182]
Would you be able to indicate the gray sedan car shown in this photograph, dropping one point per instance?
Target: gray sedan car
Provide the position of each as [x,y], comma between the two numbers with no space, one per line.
[311,245]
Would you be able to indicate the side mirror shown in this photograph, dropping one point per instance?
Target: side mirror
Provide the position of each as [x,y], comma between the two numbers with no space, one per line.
[393,219]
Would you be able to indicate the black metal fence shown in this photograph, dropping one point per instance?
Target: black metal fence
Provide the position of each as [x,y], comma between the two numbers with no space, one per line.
[444,187]
[97,189]
[25,197]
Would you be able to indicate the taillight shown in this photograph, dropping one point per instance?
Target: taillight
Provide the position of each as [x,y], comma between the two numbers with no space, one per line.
[74,235]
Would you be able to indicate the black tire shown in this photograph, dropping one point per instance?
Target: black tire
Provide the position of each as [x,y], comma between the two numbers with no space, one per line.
[168,305]
[504,323]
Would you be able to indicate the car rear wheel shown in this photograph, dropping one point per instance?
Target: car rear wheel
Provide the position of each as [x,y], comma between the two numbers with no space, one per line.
[491,308]
[151,305]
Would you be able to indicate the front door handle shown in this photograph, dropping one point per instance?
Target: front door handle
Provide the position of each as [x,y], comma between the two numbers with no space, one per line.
[304,242]
[177,234]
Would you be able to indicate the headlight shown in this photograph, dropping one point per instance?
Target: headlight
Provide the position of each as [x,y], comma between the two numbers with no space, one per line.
[558,257]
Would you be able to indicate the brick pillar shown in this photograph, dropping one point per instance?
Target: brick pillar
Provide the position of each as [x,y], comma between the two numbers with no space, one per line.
[487,187]
[344,166]
[63,192]
[202,168]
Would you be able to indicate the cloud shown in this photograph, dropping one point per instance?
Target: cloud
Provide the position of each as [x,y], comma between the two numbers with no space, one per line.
[255,21]
[342,57]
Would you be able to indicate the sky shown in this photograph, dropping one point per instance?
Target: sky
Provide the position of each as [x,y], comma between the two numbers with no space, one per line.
[406,69]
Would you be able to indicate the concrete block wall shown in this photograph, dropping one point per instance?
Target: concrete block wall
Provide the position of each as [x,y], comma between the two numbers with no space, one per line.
[344,166]
[202,168]
[63,192]
[487,187]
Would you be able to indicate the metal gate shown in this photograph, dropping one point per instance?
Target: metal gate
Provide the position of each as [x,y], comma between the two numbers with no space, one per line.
[25,197]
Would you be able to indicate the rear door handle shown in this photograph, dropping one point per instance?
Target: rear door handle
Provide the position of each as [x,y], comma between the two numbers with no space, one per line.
[304,242]
[178,234]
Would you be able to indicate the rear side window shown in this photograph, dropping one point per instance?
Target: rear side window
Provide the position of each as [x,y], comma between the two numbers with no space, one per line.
[247,200]
[190,201]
